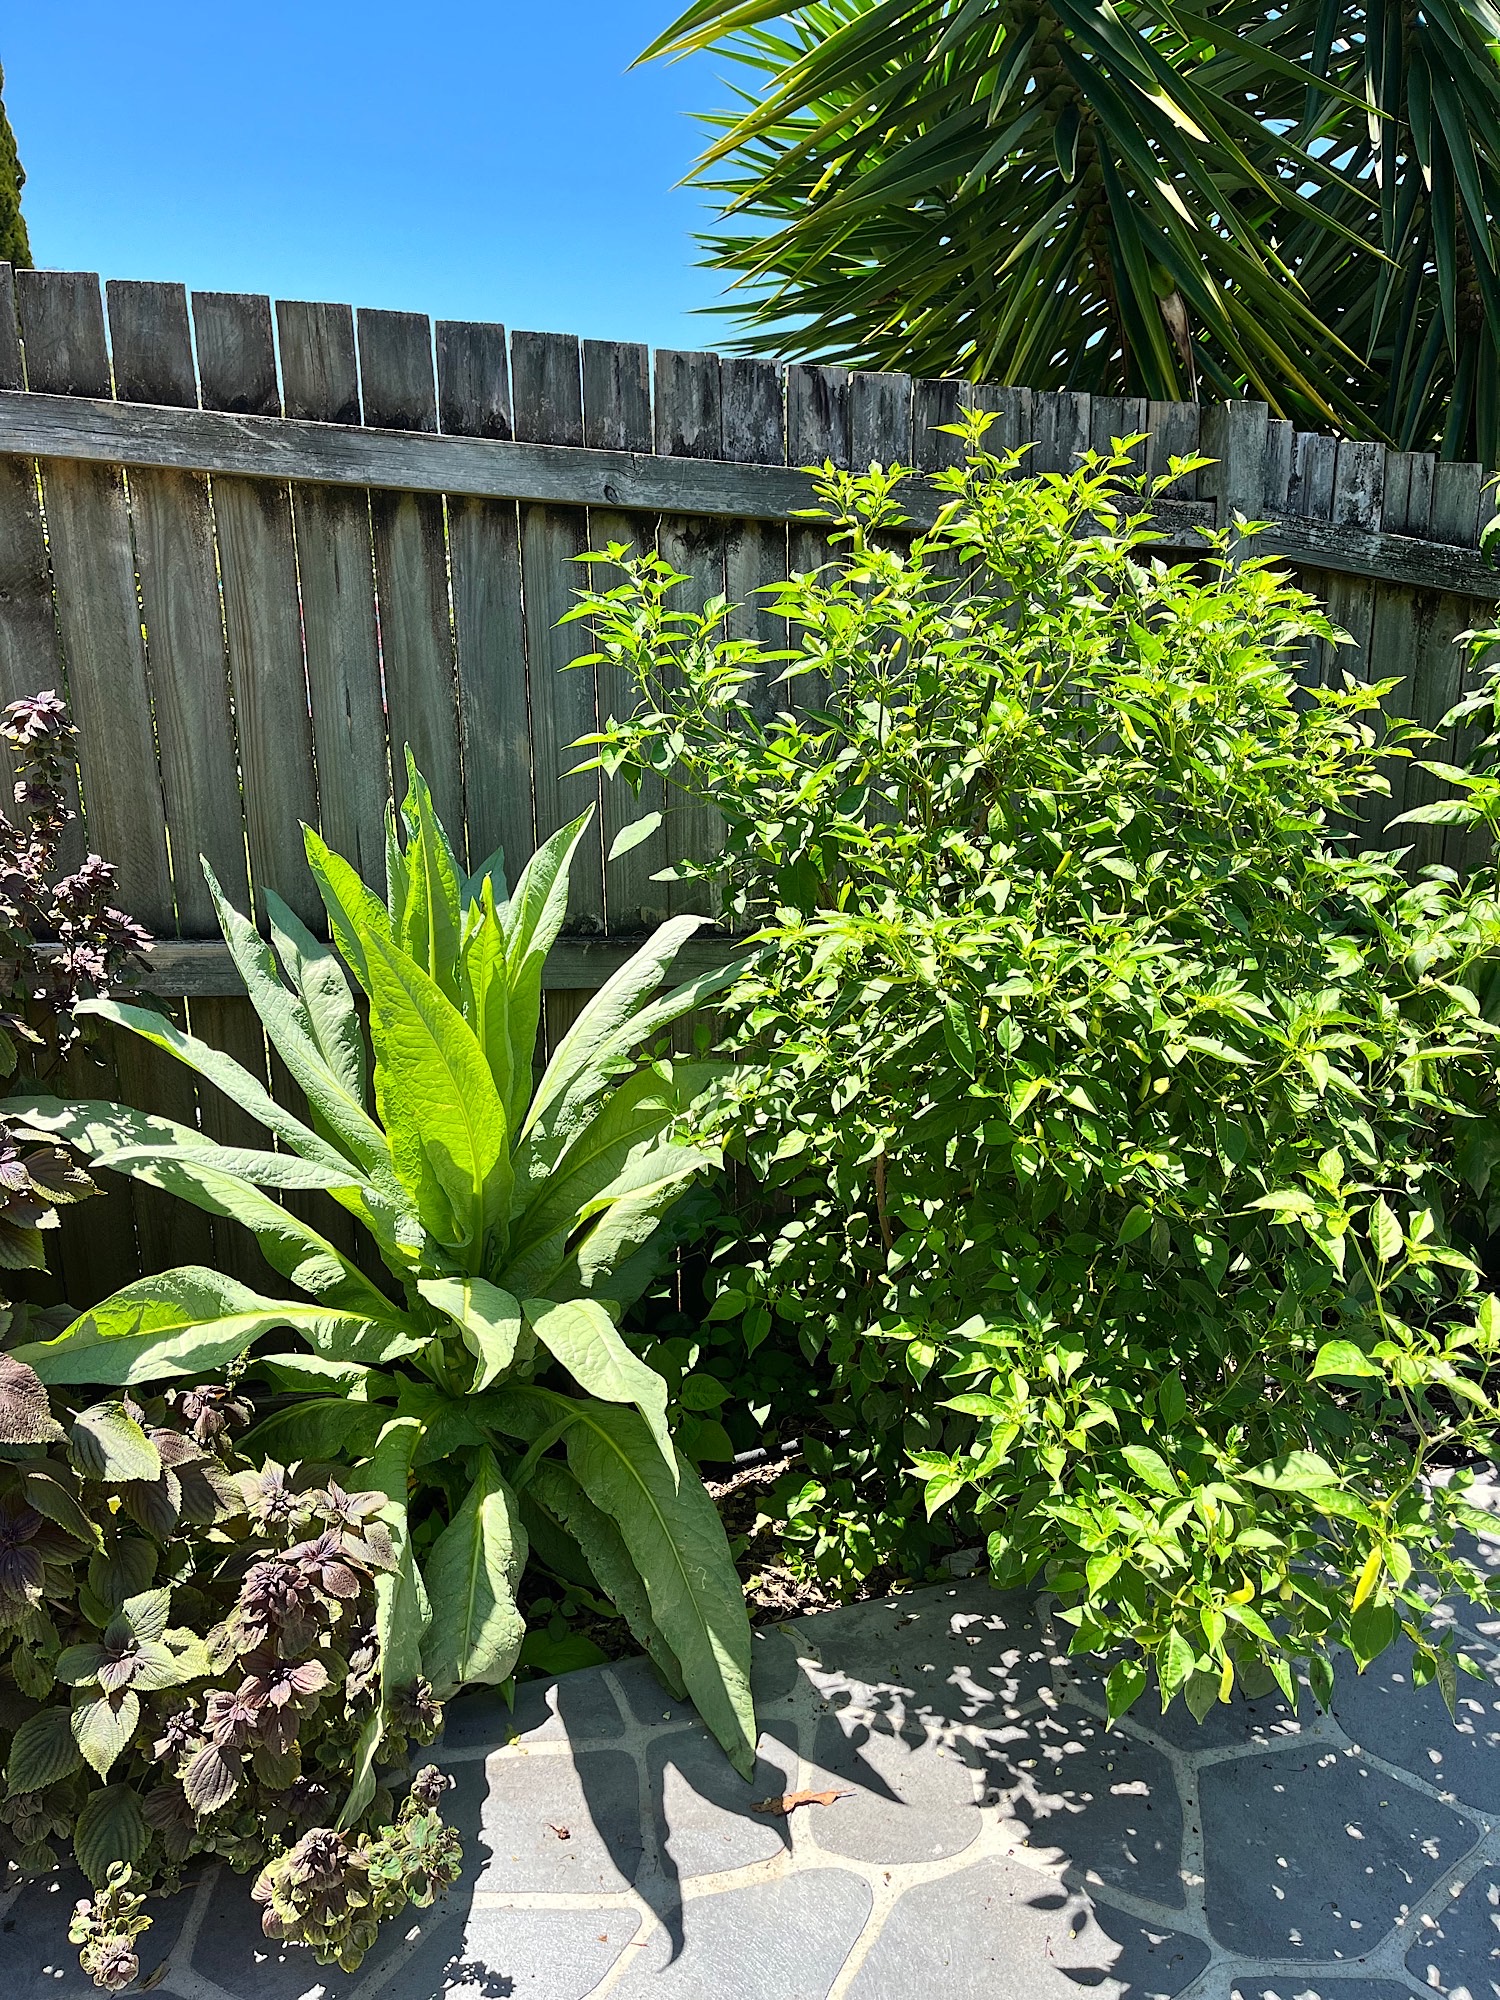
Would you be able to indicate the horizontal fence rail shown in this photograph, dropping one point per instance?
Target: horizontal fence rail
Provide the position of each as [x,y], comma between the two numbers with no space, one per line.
[266,546]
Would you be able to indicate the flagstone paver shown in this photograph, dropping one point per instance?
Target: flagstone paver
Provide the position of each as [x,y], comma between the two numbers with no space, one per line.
[994,1839]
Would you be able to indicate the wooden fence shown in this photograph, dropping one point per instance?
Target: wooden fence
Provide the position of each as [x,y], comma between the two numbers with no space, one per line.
[264,548]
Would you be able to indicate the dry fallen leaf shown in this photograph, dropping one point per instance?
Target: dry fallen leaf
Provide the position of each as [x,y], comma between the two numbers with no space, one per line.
[789,1801]
[561,1831]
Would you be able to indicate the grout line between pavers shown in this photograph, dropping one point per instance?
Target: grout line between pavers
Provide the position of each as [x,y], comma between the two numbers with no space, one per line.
[182,1977]
[997,1838]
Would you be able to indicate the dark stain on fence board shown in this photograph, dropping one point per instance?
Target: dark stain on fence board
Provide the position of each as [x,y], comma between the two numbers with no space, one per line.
[336,573]
[484,551]
[690,424]
[547,384]
[617,417]
[411,565]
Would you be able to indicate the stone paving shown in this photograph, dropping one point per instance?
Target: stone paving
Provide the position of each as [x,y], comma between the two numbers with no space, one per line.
[994,1839]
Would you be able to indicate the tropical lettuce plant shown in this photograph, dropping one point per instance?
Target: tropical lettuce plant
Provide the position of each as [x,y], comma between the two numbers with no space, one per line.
[484,1375]
[1127,1135]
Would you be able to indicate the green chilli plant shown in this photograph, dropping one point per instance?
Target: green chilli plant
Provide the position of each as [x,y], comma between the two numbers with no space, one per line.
[1125,1132]
[485,1376]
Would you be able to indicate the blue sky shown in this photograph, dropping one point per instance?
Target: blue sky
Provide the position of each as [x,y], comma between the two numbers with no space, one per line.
[473,159]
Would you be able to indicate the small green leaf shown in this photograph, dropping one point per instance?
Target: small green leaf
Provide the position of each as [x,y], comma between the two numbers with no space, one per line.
[632,835]
[1294,1472]
[1126,1683]
[1200,1692]
[1341,1358]
[583,1337]
[940,1490]
[1287,1202]
[1385,1232]
[78,1666]
[1150,1466]
[111,1828]
[42,1750]
[1371,1629]
[1137,1221]
[107,1444]
[702,1392]
[471,1573]
[488,1318]
[102,1729]
[148,1612]
[1175,1660]
[1099,1570]
[45,1491]
[961,1036]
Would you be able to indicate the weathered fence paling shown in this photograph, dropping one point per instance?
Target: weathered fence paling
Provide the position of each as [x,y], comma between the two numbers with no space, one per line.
[268,548]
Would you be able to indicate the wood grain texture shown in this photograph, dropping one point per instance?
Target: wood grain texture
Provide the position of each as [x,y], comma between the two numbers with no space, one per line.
[30,658]
[1457,494]
[1354,508]
[755,552]
[12,373]
[880,419]
[344,455]
[336,574]
[179,587]
[1310,491]
[61,319]
[29,655]
[1062,422]
[547,388]
[93,566]
[95,569]
[411,567]
[263,629]
[617,417]
[236,353]
[936,404]
[151,344]
[1234,436]
[319,363]
[817,433]
[258,565]
[690,424]
[473,374]
[1175,432]
[484,553]
[232,1024]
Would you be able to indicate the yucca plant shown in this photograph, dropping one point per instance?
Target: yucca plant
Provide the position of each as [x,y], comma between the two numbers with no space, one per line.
[1137,198]
[485,1386]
